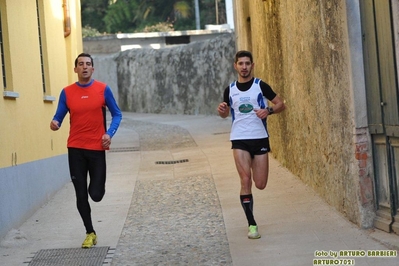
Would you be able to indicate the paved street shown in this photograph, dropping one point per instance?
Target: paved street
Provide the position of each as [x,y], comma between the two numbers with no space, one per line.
[173,199]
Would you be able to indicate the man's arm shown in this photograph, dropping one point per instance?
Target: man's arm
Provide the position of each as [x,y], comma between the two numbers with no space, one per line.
[223,107]
[62,110]
[115,112]
[278,105]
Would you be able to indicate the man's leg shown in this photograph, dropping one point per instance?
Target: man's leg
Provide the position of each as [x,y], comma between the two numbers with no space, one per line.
[78,168]
[243,163]
[97,172]
[260,170]
[95,165]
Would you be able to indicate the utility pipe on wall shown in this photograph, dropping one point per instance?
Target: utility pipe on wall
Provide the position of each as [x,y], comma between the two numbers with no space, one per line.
[67,19]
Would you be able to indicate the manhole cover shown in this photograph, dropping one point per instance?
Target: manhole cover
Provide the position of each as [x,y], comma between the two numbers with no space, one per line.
[70,257]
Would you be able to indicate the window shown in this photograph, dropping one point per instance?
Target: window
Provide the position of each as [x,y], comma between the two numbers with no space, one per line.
[171,40]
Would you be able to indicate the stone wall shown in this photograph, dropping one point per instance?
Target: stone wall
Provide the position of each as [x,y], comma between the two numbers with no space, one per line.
[115,43]
[105,71]
[186,79]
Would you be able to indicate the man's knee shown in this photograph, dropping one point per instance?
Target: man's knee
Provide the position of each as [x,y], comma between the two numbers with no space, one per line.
[261,186]
[96,196]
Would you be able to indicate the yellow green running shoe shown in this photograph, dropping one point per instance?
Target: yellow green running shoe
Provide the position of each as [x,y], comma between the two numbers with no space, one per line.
[91,240]
[253,232]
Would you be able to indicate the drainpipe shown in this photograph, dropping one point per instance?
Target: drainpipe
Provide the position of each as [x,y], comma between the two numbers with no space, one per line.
[67,19]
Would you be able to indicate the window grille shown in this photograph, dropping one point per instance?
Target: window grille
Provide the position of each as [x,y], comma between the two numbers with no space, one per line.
[3,66]
[40,47]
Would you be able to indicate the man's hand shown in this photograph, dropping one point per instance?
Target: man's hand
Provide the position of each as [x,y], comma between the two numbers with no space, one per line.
[54,125]
[106,141]
[261,113]
[223,110]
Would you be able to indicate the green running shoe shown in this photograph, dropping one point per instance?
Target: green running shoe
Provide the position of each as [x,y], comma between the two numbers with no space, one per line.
[253,232]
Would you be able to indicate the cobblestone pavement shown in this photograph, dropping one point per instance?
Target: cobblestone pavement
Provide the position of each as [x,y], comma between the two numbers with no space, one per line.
[174,222]
[156,136]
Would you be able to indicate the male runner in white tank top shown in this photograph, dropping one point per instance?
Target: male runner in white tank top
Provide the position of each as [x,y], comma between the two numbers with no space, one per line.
[247,99]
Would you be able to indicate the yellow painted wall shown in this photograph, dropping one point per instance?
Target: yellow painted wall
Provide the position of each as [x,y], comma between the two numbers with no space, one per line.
[25,120]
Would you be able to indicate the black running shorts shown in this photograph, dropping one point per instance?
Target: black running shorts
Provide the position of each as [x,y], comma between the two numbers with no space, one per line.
[253,146]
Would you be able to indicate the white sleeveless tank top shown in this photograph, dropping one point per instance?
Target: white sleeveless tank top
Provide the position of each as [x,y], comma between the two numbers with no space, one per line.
[246,125]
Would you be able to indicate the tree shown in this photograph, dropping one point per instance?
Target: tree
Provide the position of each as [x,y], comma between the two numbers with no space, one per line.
[208,12]
[134,15]
[93,12]
[115,16]
[122,16]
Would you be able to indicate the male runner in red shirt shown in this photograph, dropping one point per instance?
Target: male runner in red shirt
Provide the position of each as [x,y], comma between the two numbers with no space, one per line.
[86,101]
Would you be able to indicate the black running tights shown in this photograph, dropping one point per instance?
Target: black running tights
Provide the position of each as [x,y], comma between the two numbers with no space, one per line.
[82,162]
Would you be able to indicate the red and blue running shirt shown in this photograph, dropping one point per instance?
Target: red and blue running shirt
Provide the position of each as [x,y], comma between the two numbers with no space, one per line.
[86,106]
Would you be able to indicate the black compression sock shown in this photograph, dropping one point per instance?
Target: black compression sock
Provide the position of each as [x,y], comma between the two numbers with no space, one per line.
[247,203]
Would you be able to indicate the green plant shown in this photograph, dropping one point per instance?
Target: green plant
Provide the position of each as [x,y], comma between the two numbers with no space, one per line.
[159,27]
[88,31]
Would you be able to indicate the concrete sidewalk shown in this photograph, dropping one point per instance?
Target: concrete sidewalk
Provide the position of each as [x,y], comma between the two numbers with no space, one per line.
[173,199]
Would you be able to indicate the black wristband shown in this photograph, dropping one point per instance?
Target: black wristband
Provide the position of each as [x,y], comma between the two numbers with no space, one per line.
[270,110]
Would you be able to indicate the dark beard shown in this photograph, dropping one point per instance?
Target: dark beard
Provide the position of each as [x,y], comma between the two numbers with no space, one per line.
[245,76]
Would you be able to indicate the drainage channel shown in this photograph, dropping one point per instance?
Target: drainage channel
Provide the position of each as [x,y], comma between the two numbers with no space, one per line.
[172,162]
[124,149]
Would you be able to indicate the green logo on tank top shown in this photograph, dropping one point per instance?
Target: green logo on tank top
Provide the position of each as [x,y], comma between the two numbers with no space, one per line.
[245,108]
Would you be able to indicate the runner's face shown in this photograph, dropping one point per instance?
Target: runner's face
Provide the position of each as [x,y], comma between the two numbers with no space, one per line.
[243,66]
[84,69]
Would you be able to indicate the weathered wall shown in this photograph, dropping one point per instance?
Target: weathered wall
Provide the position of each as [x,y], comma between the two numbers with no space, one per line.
[187,79]
[105,70]
[115,43]
[301,49]
[33,161]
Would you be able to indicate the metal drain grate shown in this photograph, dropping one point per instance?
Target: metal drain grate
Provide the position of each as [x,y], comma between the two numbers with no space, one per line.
[124,149]
[172,162]
[70,257]
[221,133]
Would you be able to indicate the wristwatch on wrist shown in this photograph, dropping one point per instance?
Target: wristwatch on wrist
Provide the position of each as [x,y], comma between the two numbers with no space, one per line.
[270,110]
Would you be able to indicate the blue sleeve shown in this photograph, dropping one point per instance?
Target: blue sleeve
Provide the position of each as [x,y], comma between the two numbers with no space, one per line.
[62,108]
[115,111]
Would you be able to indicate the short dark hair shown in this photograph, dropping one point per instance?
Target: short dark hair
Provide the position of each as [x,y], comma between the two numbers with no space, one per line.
[84,55]
[243,53]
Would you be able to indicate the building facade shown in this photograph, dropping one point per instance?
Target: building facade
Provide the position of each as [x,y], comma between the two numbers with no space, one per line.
[40,40]
[335,64]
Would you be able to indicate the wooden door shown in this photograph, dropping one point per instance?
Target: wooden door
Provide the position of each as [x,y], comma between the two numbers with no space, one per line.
[382,104]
